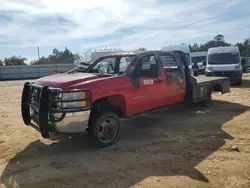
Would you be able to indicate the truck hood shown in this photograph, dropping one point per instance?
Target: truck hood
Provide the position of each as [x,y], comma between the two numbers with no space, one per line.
[66,80]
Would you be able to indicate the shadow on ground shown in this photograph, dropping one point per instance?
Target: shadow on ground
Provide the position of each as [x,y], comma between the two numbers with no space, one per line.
[166,142]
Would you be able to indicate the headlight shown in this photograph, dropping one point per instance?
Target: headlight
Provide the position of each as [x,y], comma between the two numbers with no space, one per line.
[237,67]
[74,96]
[209,68]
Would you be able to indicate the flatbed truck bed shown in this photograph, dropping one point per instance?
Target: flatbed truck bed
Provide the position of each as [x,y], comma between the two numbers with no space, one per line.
[202,87]
[204,79]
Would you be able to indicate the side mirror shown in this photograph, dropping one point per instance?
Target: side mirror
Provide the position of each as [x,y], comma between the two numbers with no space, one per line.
[131,71]
[204,62]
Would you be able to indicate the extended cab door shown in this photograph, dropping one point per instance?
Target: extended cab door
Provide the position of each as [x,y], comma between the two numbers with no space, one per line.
[175,76]
[149,93]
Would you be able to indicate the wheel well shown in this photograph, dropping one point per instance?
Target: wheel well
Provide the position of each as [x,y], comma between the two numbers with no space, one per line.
[113,103]
[217,87]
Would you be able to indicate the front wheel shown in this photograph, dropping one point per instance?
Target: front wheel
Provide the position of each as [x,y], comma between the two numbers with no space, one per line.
[104,130]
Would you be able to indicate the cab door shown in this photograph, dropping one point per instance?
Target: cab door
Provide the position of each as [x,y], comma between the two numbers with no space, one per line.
[175,77]
[150,92]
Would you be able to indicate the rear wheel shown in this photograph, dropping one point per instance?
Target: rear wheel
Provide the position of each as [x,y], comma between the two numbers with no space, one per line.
[196,73]
[104,130]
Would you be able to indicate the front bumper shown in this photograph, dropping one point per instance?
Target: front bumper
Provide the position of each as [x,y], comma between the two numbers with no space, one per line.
[234,75]
[39,110]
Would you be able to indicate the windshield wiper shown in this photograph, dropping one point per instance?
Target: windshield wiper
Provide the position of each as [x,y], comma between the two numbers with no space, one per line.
[83,63]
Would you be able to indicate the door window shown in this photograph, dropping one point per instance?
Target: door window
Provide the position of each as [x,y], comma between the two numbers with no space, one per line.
[148,67]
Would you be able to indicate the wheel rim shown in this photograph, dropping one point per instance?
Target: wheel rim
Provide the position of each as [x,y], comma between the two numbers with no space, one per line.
[107,130]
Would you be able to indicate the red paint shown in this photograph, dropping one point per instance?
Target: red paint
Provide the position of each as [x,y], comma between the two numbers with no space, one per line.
[119,90]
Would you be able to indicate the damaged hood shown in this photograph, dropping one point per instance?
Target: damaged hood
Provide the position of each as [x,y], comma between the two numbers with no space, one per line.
[66,80]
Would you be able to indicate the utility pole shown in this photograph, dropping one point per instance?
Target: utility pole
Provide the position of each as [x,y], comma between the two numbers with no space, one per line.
[38,53]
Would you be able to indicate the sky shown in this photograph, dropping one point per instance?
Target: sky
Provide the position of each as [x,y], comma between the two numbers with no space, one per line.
[126,24]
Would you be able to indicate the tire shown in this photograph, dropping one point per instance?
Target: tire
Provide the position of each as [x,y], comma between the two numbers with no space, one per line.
[196,73]
[239,81]
[112,121]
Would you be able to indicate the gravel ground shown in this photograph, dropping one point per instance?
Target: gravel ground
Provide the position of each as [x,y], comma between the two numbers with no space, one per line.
[171,147]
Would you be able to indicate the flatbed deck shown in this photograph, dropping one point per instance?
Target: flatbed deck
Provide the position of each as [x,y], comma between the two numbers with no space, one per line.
[203,79]
[202,87]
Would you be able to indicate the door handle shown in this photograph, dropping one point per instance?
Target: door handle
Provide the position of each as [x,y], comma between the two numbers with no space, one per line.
[158,81]
[181,80]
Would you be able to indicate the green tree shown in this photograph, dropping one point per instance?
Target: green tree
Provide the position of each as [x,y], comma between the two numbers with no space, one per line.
[55,52]
[218,41]
[14,60]
[58,57]
[244,47]
[219,38]
[1,63]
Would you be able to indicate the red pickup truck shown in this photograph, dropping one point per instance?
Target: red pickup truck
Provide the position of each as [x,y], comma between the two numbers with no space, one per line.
[115,86]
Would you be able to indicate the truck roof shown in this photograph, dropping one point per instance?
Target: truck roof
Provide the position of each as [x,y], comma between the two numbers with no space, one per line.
[130,53]
[223,49]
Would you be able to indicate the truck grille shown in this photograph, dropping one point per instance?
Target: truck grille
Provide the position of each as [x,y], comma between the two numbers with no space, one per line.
[35,96]
[227,73]
[39,102]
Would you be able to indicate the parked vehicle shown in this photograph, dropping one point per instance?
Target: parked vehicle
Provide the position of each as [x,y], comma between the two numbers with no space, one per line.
[200,58]
[224,61]
[97,98]
[186,50]
[247,62]
[243,64]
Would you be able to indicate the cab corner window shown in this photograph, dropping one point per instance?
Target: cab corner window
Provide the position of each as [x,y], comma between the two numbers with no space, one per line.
[168,62]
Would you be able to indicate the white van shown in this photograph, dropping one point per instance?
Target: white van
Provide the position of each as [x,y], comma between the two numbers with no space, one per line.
[224,61]
[199,58]
[183,48]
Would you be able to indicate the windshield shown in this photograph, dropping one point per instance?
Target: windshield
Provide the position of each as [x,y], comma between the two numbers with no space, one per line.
[223,58]
[110,65]
[198,59]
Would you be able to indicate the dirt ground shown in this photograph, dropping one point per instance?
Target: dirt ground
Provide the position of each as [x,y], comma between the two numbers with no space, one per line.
[172,147]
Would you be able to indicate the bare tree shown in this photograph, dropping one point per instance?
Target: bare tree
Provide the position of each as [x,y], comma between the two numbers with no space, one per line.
[142,49]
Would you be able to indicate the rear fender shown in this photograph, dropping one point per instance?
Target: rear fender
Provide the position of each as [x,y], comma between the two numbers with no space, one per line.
[223,87]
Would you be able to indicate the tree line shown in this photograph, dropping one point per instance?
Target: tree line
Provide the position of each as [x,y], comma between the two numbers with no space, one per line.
[66,56]
[57,57]
[244,47]
[14,60]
